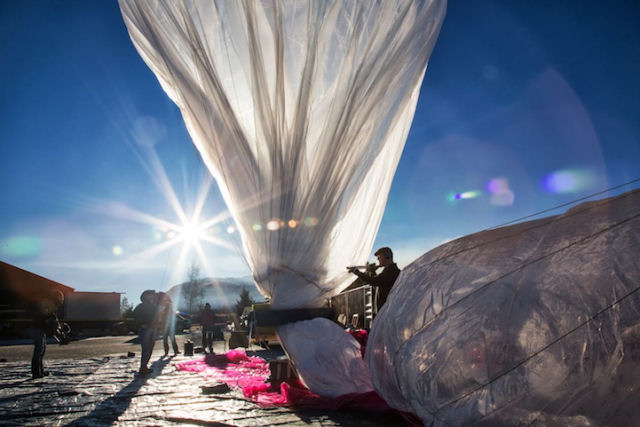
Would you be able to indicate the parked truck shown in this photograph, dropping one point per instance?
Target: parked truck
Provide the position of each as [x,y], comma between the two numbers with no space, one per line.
[88,313]
[92,313]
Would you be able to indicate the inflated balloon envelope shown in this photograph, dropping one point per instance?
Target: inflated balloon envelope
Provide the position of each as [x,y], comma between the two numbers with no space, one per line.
[300,110]
[533,324]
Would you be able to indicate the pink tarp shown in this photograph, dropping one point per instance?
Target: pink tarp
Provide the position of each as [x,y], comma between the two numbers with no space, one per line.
[250,373]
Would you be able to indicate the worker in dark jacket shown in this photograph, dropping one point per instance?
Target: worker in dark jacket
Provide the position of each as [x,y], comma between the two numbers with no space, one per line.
[167,322]
[44,313]
[208,321]
[145,316]
[383,281]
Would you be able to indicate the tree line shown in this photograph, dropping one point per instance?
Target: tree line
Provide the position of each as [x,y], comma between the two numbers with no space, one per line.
[192,293]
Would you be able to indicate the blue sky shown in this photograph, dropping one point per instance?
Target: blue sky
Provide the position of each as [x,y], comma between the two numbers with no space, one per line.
[525,105]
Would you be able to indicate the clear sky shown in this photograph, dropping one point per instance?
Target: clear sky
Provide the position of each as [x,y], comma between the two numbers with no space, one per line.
[526,105]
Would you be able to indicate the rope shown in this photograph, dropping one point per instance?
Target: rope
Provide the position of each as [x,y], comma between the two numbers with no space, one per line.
[520,267]
[166,265]
[508,236]
[564,204]
[591,318]
[558,339]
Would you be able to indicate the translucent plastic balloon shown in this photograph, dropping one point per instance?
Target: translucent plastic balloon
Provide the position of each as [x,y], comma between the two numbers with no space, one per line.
[300,110]
[532,324]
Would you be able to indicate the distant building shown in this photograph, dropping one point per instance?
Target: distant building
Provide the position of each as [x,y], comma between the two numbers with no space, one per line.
[17,284]
[18,287]
[85,310]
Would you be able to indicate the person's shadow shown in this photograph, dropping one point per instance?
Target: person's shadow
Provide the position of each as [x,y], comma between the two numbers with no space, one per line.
[109,410]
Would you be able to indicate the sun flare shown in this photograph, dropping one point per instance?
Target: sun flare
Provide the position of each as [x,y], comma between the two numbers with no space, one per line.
[191,232]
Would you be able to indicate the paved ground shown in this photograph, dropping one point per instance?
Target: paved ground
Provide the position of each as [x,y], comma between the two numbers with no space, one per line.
[86,348]
[89,390]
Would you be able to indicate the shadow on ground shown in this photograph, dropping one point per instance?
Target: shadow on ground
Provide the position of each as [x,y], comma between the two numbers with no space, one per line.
[109,410]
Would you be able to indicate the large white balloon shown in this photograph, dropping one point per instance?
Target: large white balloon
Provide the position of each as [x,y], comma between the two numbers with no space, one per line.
[300,110]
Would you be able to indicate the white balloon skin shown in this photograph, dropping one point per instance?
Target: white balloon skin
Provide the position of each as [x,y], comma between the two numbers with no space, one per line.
[300,110]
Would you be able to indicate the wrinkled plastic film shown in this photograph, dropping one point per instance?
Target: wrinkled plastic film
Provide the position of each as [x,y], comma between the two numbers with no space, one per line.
[300,110]
[538,321]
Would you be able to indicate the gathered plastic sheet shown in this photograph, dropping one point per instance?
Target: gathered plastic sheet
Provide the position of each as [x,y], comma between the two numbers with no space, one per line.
[326,357]
[300,110]
[533,323]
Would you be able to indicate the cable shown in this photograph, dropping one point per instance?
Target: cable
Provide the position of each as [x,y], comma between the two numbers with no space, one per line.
[520,267]
[557,339]
[537,352]
[563,205]
[166,265]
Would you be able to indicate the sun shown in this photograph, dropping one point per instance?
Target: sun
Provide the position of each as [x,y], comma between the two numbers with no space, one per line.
[191,232]
[188,234]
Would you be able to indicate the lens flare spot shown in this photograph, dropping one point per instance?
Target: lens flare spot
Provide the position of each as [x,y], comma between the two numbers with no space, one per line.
[568,181]
[311,221]
[501,194]
[497,185]
[231,229]
[470,194]
[466,195]
[256,227]
[117,250]
[273,225]
[292,223]
[21,246]
[148,131]
[171,234]
[504,198]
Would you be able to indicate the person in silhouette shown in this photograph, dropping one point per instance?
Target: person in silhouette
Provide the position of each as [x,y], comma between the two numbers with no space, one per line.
[145,316]
[44,314]
[208,321]
[383,281]
[166,321]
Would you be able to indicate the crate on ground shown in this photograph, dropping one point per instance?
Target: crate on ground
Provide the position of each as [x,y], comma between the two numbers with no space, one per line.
[281,370]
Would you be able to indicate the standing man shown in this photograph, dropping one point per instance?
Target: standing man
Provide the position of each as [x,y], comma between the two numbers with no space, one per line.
[167,322]
[208,321]
[145,315]
[44,322]
[385,280]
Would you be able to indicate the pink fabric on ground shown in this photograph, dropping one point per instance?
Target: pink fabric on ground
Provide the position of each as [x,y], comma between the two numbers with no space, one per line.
[250,374]
[234,368]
